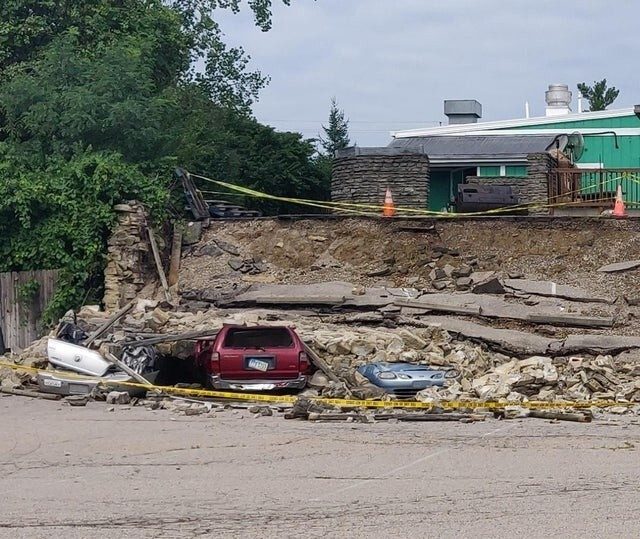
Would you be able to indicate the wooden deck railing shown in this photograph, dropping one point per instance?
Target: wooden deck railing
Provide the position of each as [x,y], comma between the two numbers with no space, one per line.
[593,187]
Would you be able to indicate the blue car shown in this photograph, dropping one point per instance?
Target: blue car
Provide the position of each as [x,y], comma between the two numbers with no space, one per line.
[406,379]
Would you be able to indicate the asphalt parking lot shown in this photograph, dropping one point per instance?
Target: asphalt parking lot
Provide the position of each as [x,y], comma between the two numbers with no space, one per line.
[132,472]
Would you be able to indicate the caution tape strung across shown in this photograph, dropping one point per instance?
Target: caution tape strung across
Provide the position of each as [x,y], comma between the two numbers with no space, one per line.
[342,403]
[376,209]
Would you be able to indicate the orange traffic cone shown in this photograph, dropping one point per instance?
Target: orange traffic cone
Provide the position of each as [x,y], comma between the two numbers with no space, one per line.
[389,208]
[619,210]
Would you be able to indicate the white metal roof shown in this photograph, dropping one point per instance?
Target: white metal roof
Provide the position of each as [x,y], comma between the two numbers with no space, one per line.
[462,129]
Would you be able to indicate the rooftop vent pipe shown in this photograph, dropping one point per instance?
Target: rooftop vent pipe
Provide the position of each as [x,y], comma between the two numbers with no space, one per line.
[558,98]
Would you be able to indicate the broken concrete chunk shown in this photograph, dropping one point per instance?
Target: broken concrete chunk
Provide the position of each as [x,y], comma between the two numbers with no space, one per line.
[319,380]
[463,283]
[235,264]
[118,397]
[158,318]
[195,409]
[462,271]
[368,391]
[620,266]
[192,233]
[227,247]
[362,348]
[551,289]
[486,282]
[571,320]
[448,270]
[380,272]
[210,250]
[440,249]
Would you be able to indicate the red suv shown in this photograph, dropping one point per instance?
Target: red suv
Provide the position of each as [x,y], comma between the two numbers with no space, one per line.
[255,358]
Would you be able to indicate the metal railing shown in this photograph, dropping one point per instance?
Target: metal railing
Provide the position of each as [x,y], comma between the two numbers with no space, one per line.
[593,187]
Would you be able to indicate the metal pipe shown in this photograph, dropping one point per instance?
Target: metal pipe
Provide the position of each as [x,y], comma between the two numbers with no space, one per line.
[615,136]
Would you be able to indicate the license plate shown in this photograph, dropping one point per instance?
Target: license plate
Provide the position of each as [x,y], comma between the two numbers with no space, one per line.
[52,383]
[255,387]
[258,365]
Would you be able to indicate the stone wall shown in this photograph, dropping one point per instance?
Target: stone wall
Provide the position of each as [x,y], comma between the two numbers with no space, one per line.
[362,175]
[127,257]
[530,189]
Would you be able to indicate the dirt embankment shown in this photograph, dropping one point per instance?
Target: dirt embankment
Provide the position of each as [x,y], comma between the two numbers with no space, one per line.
[404,253]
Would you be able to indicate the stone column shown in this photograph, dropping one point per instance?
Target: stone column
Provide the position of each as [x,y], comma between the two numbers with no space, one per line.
[537,179]
[127,254]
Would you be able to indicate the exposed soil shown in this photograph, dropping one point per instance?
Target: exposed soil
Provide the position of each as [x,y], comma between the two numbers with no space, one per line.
[374,252]
[565,251]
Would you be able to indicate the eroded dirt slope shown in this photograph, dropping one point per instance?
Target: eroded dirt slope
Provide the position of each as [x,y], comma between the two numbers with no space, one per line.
[373,252]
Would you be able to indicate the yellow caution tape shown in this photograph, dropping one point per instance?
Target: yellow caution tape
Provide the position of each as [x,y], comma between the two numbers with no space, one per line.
[376,209]
[342,403]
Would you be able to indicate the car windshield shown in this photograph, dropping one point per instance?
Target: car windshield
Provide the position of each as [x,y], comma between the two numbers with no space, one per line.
[258,338]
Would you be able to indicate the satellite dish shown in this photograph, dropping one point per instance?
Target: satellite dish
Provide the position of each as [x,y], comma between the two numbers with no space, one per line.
[575,146]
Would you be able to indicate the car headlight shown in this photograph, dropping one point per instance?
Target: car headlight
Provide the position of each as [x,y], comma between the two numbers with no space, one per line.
[403,376]
[451,374]
[387,375]
[436,376]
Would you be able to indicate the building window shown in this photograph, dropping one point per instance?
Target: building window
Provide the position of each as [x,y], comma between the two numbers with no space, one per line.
[516,170]
[489,171]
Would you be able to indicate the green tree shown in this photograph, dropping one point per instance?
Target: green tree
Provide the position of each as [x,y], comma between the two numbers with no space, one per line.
[184,32]
[99,100]
[336,134]
[59,215]
[598,95]
[242,151]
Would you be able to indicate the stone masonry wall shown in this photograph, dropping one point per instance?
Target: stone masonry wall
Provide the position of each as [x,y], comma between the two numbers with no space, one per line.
[127,256]
[364,179]
[529,189]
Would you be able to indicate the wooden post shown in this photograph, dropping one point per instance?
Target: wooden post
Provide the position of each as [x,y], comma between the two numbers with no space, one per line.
[560,416]
[32,394]
[156,257]
[190,335]
[112,320]
[321,364]
[137,377]
[176,253]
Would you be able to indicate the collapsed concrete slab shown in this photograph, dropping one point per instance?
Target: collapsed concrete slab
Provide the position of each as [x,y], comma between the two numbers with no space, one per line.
[523,343]
[597,344]
[620,266]
[335,293]
[330,293]
[507,340]
[491,306]
[550,289]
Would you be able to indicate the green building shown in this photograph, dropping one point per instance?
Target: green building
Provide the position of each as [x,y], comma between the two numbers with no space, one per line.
[601,149]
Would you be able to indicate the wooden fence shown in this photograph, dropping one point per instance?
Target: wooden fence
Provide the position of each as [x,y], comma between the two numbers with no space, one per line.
[23,297]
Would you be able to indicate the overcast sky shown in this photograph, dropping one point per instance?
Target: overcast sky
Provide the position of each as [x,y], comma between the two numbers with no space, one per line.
[391,63]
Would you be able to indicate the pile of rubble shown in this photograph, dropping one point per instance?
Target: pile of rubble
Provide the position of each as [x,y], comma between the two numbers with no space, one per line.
[542,379]
[484,374]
